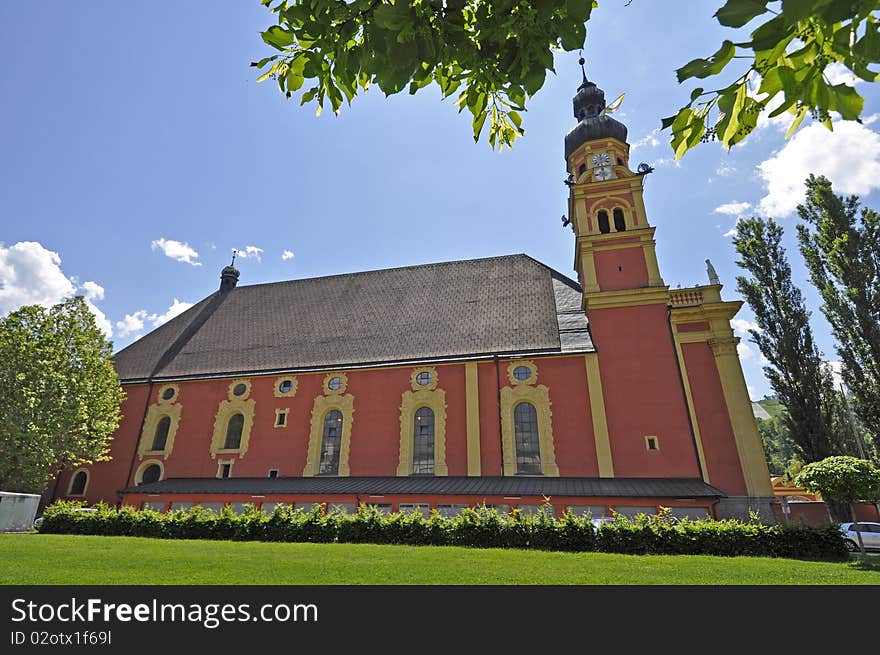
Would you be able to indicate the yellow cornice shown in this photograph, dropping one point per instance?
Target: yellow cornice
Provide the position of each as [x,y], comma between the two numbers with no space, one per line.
[724,310]
[627,297]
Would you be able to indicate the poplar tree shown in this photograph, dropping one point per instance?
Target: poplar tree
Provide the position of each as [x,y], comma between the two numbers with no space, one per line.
[795,370]
[840,242]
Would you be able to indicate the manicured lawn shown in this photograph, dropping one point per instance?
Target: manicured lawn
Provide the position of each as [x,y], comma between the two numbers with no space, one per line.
[32,559]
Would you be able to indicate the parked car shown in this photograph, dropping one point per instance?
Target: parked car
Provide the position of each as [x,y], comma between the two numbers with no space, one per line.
[870,535]
[39,520]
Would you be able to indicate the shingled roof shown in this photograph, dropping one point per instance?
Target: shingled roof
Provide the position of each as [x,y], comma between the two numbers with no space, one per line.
[499,305]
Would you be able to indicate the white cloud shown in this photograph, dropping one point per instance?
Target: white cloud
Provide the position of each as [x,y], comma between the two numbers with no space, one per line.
[744,351]
[741,326]
[730,233]
[724,169]
[177,250]
[93,290]
[131,323]
[837,73]
[31,275]
[100,319]
[815,149]
[177,307]
[650,140]
[249,252]
[287,254]
[733,208]
[667,161]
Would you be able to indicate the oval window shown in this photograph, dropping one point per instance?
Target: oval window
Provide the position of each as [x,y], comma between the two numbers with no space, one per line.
[522,372]
[424,378]
[168,394]
[239,389]
[285,386]
[334,384]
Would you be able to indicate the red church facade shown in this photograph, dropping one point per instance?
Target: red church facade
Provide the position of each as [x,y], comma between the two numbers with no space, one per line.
[495,381]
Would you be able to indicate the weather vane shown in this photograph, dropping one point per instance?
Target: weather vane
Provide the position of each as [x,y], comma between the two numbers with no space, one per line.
[234,253]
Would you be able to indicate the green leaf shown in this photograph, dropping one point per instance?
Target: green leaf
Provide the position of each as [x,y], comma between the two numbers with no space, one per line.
[264,61]
[846,101]
[799,118]
[705,67]
[736,13]
[535,79]
[479,120]
[278,37]
[797,10]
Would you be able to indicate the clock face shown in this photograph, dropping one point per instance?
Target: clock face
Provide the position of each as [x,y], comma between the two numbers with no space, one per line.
[601,159]
[602,173]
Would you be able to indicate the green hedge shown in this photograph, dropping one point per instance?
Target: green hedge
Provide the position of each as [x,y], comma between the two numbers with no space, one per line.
[479,527]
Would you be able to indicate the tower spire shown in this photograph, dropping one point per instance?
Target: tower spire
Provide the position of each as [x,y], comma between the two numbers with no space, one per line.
[585,81]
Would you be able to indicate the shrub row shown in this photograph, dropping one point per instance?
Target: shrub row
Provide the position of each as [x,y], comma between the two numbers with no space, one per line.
[477,527]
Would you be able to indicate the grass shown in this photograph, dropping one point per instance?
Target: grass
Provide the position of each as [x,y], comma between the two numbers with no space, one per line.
[34,559]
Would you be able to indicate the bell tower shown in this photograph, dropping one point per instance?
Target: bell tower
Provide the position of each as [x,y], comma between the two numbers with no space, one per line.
[615,242]
[673,391]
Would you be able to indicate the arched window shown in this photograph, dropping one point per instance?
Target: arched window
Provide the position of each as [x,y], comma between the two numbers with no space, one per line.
[233,432]
[604,225]
[528,450]
[151,474]
[619,222]
[161,435]
[331,443]
[78,484]
[423,442]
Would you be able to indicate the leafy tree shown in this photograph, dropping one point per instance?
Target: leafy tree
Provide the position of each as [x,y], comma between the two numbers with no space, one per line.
[795,371]
[840,242]
[786,60]
[59,393]
[495,55]
[778,448]
[843,479]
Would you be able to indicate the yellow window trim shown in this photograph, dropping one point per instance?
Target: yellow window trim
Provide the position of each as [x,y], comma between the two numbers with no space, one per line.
[278,412]
[648,439]
[226,410]
[155,413]
[323,404]
[410,403]
[539,397]
[235,383]
[423,387]
[85,486]
[221,462]
[335,392]
[286,394]
[139,474]
[515,364]
[163,389]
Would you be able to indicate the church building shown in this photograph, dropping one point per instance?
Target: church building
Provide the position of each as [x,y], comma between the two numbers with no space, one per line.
[495,381]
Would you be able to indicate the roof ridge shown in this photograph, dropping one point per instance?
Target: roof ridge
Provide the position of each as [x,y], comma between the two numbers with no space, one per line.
[395,268]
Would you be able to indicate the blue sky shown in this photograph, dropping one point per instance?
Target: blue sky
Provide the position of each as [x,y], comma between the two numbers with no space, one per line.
[130,129]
